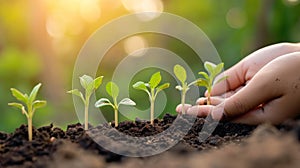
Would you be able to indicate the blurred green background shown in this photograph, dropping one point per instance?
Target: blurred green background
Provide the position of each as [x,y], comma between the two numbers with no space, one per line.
[40,40]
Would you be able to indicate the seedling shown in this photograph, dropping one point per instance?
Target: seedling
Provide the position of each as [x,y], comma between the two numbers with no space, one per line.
[152,89]
[90,85]
[180,74]
[30,103]
[113,90]
[208,79]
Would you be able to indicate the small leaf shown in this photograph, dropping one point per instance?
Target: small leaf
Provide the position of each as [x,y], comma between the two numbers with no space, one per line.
[98,82]
[112,89]
[204,74]
[218,68]
[86,81]
[155,80]
[39,103]
[163,86]
[180,73]
[103,102]
[221,79]
[209,67]
[178,87]
[18,95]
[202,82]
[127,101]
[34,92]
[18,105]
[77,93]
[140,86]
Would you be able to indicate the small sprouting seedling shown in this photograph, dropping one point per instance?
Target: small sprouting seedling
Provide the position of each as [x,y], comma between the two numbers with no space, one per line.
[152,89]
[208,79]
[30,103]
[180,74]
[90,85]
[113,90]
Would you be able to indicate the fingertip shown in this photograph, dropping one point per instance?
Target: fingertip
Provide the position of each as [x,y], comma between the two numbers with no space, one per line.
[179,107]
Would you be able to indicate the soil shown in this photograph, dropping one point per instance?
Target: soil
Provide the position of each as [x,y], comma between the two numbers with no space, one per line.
[230,145]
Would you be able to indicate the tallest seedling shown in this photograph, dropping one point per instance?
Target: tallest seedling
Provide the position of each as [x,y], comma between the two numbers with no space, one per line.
[90,85]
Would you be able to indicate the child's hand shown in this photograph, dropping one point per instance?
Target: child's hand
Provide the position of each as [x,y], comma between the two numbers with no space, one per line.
[265,86]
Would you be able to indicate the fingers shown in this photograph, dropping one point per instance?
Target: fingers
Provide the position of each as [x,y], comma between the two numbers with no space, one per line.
[213,100]
[179,107]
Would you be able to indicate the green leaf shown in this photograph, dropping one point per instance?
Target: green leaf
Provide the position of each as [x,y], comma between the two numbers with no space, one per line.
[127,101]
[209,67]
[18,105]
[163,86]
[112,89]
[103,102]
[221,79]
[202,82]
[180,73]
[77,93]
[178,87]
[86,81]
[98,82]
[34,92]
[140,86]
[218,68]
[39,103]
[155,80]
[204,74]
[19,96]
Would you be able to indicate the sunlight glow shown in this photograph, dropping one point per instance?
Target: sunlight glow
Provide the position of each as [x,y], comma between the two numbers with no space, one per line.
[137,6]
[135,45]
[90,10]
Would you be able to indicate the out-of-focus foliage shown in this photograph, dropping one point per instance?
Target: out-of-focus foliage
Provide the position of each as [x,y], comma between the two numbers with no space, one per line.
[40,39]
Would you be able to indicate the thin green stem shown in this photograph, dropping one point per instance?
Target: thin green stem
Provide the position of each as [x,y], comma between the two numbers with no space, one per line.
[86,114]
[152,111]
[29,119]
[116,117]
[183,93]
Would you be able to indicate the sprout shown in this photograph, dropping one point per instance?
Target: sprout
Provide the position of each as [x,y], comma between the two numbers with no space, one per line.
[90,85]
[113,90]
[30,103]
[152,89]
[208,79]
[180,74]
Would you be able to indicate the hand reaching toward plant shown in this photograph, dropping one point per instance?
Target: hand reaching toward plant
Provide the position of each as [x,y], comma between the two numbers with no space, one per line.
[263,87]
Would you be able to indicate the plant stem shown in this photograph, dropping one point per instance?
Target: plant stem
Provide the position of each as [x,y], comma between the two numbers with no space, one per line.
[208,98]
[29,119]
[116,118]
[183,101]
[86,115]
[152,111]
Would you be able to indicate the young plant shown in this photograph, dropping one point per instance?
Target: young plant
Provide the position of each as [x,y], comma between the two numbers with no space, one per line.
[208,79]
[113,90]
[30,103]
[180,74]
[90,85]
[152,89]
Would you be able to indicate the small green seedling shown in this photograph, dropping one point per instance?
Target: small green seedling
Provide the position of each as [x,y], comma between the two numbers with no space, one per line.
[208,79]
[30,103]
[113,90]
[90,85]
[152,89]
[180,74]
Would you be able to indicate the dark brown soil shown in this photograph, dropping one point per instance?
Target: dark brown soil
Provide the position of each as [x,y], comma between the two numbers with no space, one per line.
[53,147]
